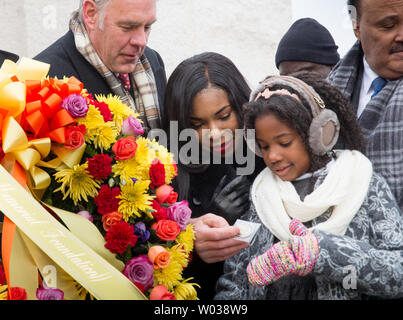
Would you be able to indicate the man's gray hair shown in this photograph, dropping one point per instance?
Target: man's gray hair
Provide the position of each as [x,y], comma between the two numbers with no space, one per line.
[101,4]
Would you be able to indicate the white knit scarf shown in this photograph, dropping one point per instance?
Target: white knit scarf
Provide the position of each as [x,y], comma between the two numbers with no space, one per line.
[345,188]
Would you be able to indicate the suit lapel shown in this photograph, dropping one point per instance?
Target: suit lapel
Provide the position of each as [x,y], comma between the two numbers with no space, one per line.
[375,108]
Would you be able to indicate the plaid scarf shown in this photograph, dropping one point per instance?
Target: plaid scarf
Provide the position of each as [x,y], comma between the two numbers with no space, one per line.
[145,100]
[381,120]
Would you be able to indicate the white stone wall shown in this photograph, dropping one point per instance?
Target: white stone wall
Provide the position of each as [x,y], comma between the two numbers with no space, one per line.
[246,31]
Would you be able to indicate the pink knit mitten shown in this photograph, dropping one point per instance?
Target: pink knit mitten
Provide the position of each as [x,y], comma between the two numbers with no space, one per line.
[275,263]
[281,260]
[305,247]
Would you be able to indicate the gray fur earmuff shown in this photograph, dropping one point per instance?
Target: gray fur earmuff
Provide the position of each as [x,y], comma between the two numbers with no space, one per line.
[325,127]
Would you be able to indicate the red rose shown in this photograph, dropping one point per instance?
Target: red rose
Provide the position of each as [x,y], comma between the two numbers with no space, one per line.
[160,213]
[157,174]
[2,276]
[75,137]
[99,166]
[119,237]
[166,194]
[166,229]
[17,293]
[106,200]
[104,110]
[125,148]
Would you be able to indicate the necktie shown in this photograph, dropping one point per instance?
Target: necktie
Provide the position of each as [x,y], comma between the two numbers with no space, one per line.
[124,77]
[378,85]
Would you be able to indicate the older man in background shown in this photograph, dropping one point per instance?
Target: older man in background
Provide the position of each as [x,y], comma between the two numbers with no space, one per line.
[106,48]
[370,75]
[307,46]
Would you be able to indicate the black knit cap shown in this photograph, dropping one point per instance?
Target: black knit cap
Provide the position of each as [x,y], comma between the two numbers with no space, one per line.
[307,40]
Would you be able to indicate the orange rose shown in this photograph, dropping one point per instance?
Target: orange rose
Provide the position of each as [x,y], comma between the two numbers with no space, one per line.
[125,148]
[166,194]
[159,257]
[161,293]
[166,229]
[75,137]
[110,219]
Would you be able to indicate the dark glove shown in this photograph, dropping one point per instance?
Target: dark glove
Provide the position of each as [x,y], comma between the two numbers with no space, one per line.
[232,200]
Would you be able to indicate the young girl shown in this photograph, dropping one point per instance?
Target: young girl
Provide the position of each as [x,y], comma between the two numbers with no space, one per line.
[206,93]
[330,227]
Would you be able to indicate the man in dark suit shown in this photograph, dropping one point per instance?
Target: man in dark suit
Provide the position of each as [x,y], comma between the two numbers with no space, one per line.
[7,55]
[371,76]
[105,48]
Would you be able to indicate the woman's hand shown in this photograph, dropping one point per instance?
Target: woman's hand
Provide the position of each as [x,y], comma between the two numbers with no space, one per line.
[215,238]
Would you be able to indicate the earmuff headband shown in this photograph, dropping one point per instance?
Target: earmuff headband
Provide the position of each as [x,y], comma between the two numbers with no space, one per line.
[325,126]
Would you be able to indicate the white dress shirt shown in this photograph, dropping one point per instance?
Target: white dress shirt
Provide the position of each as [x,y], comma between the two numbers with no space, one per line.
[367,90]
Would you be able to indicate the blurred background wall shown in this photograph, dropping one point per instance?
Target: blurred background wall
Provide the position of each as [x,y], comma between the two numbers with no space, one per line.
[246,31]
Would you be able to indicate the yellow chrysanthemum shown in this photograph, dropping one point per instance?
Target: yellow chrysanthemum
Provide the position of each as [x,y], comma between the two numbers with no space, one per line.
[83,92]
[178,254]
[127,169]
[167,159]
[145,154]
[92,121]
[77,183]
[105,136]
[80,292]
[186,238]
[170,276]
[186,290]
[101,134]
[119,110]
[134,199]
[3,292]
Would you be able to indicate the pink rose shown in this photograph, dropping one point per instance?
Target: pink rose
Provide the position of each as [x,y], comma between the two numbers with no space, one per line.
[132,127]
[180,213]
[86,215]
[161,293]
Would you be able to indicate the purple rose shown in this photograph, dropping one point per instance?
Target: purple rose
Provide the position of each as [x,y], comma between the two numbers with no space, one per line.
[180,213]
[140,270]
[132,127]
[141,231]
[76,105]
[45,293]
